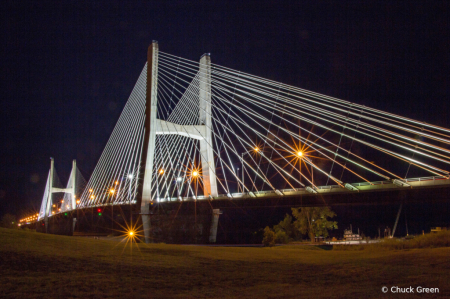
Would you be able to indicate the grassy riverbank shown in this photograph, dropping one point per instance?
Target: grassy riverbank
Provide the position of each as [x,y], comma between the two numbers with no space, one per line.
[35,265]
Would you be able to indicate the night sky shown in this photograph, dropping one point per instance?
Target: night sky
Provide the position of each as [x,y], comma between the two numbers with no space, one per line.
[68,67]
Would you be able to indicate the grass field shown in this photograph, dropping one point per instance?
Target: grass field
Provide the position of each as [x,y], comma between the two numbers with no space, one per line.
[35,265]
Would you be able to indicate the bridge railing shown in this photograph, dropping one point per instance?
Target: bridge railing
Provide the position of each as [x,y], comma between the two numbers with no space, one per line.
[429,178]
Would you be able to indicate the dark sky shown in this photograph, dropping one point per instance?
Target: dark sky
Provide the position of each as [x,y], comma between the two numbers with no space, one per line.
[68,67]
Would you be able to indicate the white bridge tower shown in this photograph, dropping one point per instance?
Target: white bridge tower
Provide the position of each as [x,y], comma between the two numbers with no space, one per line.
[154,126]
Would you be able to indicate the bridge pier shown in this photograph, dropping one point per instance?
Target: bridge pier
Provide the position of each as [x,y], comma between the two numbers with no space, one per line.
[214,223]
[146,226]
[148,150]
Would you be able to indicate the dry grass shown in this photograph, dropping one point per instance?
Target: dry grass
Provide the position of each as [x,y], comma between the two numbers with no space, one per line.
[36,265]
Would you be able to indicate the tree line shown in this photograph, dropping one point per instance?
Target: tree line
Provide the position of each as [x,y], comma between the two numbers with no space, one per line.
[311,222]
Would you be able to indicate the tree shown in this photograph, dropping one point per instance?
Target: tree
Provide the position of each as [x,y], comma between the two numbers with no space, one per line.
[281,237]
[314,221]
[269,237]
[9,221]
[286,230]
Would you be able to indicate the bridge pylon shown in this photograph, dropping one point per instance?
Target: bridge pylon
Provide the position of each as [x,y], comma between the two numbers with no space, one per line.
[155,126]
[206,144]
[50,188]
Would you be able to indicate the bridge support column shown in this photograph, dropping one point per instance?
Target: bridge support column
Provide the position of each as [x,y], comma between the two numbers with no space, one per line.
[206,144]
[50,192]
[214,223]
[74,183]
[148,150]
[74,199]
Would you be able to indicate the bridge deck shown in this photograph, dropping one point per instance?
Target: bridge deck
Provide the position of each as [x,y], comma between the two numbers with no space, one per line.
[424,182]
[364,187]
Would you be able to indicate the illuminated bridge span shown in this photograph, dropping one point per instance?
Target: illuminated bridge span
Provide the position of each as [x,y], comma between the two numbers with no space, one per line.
[200,131]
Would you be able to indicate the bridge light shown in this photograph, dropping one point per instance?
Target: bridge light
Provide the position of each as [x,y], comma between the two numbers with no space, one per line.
[130,233]
[130,176]
[54,206]
[92,196]
[90,190]
[53,212]
[299,154]
[195,173]
[256,149]
[161,171]
[78,201]
[117,182]
[111,191]
[179,179]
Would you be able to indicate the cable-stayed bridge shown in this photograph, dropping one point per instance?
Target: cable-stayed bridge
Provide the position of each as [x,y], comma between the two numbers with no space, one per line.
[197,131]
